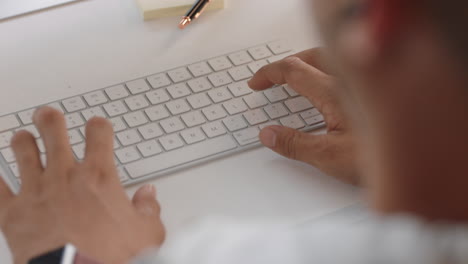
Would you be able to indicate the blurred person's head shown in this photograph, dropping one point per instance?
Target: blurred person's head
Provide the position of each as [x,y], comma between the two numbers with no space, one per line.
[404,64]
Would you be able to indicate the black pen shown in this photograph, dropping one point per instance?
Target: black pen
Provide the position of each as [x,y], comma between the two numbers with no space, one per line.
[193,13]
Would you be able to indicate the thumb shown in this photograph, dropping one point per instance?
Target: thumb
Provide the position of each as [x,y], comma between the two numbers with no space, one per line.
[145,201]
[288,142]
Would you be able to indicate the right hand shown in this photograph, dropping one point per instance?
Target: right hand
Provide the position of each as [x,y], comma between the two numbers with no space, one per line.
[335,152]
[82,203]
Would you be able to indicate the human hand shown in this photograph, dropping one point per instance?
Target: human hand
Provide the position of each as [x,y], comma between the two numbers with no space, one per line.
[81,203]
[335,152]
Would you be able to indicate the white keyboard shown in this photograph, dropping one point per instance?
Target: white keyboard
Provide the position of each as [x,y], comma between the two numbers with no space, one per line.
[178,118]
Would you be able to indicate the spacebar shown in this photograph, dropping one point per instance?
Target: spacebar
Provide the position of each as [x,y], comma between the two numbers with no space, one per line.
[180,156]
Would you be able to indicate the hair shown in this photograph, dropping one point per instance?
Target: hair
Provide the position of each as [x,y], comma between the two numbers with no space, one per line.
[452,18]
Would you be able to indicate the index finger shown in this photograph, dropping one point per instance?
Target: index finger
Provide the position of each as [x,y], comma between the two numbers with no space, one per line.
[271,74]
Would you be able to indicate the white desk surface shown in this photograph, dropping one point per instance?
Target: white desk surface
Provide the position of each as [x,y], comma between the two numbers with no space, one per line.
[96,43]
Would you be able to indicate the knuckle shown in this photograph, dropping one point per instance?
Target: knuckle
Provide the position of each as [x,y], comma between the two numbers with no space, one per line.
[289,64]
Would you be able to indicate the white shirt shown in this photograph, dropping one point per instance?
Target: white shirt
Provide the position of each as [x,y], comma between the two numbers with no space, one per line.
[377,241]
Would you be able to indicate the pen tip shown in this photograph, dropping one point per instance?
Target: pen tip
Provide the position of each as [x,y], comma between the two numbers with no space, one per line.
[185,21]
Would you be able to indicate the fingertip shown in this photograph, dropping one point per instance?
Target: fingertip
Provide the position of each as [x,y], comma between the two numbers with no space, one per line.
[145,201]
[268,137]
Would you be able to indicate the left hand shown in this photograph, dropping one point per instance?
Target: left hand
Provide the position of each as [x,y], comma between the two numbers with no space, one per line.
[74,202]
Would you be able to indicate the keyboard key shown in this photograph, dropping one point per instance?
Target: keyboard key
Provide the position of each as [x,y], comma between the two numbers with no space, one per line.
[117,92]
[197,101]
[310,113]
[240,57]
[150,131]
[193,135]
[136,102]
[74,104]
[214,129]
[247,136]
[271,123]
[158,96]
[8,155]
[199,85]
[123,176]
[179,75]
[159,80]
[26,116]
[138,86]
[40,145]
[235,106]
[278,57]
[172,124]
[276,94]
[95,98]
[220,79]
[135,119]
[290,91]
[116,143]
[275,111]
[5,139]
[260,52]
[240,89]
[199,69]
[314,120]
[115,108]
[74,120]
[257,65]
[178,106]
[74,137]
[220,63]
[56,106]
[279,46]
[293,121]
[240,73]
[31,129]
[156,113]
[8,122]
[298,104]
[128,137]
[178,90]
[255,100]
[214,112]
[79,151]
[93,112]
[312,117]
[171,142]
[14,168]
[193,119]
[234,123]
[117,124]
[220,95]
[185,155]
[127,155]
[255,117]
[149,148]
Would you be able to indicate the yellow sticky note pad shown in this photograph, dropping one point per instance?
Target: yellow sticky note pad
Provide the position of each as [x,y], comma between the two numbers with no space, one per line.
[151,9]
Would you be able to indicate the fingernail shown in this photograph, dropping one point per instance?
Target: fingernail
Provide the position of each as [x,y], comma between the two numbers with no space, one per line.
[149,189]
[268,138]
